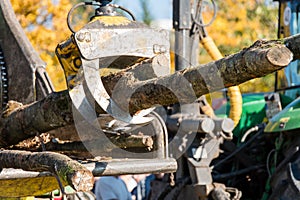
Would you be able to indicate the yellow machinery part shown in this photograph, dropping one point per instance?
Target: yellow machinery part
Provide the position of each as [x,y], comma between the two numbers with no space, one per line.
[68,53]
[236,103]
[234,92]
[25,187]
[69,58]
[112,20]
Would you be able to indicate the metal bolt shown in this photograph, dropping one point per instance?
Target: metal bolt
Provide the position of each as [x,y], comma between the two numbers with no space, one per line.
[162,49]
[80,37]
[159,49]
[156,48]
[84,37]
[88,37]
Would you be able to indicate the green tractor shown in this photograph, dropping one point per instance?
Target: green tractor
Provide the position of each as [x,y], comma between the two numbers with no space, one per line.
[266,162]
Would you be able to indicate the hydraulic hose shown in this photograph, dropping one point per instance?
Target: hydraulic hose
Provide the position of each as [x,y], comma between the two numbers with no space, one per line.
[233,92]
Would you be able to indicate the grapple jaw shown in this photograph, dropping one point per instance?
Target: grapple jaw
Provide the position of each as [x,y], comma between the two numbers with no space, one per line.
[110,43]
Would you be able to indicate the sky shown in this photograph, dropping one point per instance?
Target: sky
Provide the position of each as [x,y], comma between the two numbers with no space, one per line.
[159,9]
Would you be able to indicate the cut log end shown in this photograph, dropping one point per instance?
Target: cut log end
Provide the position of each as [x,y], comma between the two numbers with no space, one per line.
[83,180]
[280,56]
[148,142]
[69,171]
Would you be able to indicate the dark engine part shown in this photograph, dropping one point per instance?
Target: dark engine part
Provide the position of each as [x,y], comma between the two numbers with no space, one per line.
[285,181]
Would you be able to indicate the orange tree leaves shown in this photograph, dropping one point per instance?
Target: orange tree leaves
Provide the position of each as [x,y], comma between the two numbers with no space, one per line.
[238,24]
[44,22]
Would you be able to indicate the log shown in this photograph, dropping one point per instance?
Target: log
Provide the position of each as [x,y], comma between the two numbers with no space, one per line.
[69,171]
[117,141]
[260,59]
[26,121]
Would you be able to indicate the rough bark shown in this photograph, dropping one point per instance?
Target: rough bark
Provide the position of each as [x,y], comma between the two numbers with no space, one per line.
[69,171]
[132,93]
[26,121]
[262,58]
[117,141]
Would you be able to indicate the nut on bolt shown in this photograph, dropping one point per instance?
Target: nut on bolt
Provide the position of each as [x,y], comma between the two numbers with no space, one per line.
[159,49]
[84,37]
[80,37]
[88,37]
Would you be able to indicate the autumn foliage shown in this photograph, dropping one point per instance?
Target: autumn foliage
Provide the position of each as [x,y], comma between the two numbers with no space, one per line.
[44,22]
[238,24]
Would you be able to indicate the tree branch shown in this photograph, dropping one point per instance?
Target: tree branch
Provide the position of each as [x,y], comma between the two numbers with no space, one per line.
[262,58]
[69,171]
[26,121]
[117,141]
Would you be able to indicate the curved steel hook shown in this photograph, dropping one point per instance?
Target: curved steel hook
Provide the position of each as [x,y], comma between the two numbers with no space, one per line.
[99,93]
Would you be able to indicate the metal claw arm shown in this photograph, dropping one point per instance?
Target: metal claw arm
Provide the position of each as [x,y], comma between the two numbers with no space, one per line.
[20,58]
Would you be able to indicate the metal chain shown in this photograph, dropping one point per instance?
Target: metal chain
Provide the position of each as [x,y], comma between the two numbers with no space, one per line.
[172,180]
[3,81]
